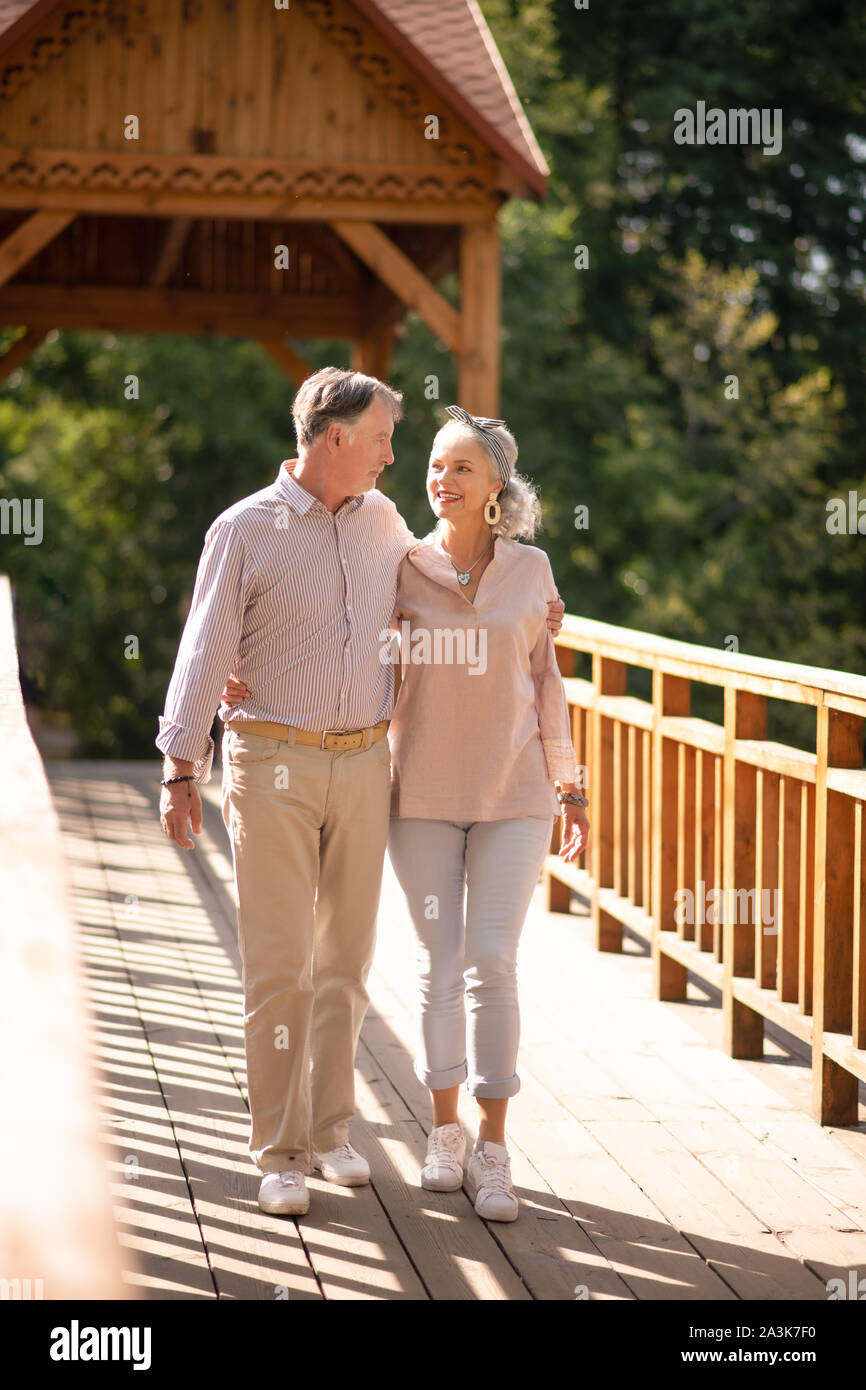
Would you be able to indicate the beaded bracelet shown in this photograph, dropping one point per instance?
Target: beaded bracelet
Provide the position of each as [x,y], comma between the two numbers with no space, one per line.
[168,780]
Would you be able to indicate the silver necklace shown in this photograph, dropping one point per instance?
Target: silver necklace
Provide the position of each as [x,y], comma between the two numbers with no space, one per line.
[463,576]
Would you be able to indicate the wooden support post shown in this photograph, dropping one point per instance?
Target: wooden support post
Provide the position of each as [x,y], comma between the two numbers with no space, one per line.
[745,717]
[19,351]
[478,388]
[371,354]
[403,277]
[671,695]
[609,678]
[839,744]
[296,368]
[28,239]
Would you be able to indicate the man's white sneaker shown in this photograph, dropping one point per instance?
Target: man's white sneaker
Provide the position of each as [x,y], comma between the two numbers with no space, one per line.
[443,1166]
[488,1175]
[343,1165]
[285,1194]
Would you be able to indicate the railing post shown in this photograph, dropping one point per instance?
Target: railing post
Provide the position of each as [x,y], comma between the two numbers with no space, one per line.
[839,744]
[608,678]
[557,895]
[745,717]
[671,695]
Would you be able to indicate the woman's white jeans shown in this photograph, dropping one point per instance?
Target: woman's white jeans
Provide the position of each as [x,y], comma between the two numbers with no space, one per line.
[468,950]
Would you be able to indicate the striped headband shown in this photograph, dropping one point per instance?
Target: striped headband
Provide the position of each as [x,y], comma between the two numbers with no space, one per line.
[485,428]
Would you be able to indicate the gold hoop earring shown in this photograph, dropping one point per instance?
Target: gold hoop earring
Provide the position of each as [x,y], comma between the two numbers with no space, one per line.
[492,505]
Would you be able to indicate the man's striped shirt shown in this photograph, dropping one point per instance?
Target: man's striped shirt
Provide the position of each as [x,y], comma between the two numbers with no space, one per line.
[293,599]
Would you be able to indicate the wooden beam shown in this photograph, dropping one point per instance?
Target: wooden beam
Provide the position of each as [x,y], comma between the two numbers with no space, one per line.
[479,318]
[28,239]
[170,253]
[256,206]
[21,349]
[233,314]
[296,367]
[402,276]
[371,353]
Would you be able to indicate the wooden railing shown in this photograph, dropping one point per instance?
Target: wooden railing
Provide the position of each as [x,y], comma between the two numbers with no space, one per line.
[697,826]
[57,1233]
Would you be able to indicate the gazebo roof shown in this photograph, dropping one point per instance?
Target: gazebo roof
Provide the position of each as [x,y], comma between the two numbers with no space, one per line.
[447,41]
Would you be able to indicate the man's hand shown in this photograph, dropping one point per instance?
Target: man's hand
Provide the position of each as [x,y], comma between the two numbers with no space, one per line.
[235,691]
[555,610]
[176,803]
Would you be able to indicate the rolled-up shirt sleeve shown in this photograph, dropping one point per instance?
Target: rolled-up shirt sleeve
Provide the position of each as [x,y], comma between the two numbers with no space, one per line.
[207,649]
[554,721]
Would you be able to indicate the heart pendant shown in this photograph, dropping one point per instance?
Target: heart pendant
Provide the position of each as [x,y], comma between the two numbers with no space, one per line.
[463,578]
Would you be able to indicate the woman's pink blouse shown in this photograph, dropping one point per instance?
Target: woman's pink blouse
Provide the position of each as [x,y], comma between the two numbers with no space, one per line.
[481,727]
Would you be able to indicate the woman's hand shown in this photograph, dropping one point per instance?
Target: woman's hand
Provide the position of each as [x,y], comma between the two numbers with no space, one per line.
[575,832]
[235,691]
[555,610]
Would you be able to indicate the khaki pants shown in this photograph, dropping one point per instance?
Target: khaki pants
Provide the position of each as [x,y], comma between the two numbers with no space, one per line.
[308,831]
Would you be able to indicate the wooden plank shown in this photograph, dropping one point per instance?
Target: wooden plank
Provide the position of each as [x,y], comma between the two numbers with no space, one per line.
[480,327]
[456,1254]
[766,877]
[178,311]
[784,680]
[193,1028]
[296,368]
[671,696]
[27,240]
[151,1200]
[174,240]
[21,350]
[626,1229]
[745,717]
[403,277]
[371,354]
[609,678]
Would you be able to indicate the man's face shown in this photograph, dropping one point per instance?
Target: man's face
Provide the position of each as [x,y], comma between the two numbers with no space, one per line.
[359,454]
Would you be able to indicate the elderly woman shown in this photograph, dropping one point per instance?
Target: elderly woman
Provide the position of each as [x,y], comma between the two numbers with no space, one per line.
[482,763]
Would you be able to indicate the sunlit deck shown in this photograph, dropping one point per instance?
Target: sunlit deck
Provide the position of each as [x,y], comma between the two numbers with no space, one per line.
[650,1164]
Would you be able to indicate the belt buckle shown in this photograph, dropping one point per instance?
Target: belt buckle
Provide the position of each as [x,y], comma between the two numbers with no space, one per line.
[344,733]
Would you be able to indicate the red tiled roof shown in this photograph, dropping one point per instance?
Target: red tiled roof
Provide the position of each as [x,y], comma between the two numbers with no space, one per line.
[448,41]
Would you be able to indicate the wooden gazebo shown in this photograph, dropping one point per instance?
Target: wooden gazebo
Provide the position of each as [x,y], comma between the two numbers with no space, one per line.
[267,170]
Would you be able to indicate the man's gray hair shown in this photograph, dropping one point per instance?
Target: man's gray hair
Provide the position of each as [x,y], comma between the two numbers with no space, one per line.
[334,396]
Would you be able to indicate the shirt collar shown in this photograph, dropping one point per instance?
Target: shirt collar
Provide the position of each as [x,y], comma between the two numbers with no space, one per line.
[290,490]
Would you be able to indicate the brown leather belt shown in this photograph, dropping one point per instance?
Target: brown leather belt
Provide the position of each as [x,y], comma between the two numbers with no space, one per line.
[331,740]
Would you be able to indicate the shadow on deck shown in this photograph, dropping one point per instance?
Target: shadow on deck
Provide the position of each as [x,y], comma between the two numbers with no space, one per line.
[649,1164]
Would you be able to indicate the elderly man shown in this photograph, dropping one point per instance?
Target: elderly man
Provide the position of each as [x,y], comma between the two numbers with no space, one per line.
[294,587]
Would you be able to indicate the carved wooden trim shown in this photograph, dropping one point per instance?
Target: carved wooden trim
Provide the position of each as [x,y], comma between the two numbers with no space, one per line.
[372,57]
[49,40]
[98,170]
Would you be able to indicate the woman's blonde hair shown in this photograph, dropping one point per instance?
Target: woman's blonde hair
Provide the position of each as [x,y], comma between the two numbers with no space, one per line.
[518,500]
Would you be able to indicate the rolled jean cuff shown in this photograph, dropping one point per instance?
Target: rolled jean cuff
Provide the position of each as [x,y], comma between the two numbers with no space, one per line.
[494,1090]
[442,1079]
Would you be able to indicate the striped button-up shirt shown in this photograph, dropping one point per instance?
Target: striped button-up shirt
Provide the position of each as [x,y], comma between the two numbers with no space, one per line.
[293,599]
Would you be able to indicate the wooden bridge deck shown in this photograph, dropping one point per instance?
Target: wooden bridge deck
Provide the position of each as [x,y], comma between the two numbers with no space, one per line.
[649,1164]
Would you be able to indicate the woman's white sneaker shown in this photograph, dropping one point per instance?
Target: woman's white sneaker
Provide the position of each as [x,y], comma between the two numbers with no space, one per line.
[488,1175]
[284,1194]
[443,1166]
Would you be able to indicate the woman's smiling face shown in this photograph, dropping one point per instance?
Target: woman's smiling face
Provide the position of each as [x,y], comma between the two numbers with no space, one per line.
[460,475]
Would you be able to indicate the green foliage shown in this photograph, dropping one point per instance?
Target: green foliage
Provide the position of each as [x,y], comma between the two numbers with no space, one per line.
[707,512]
